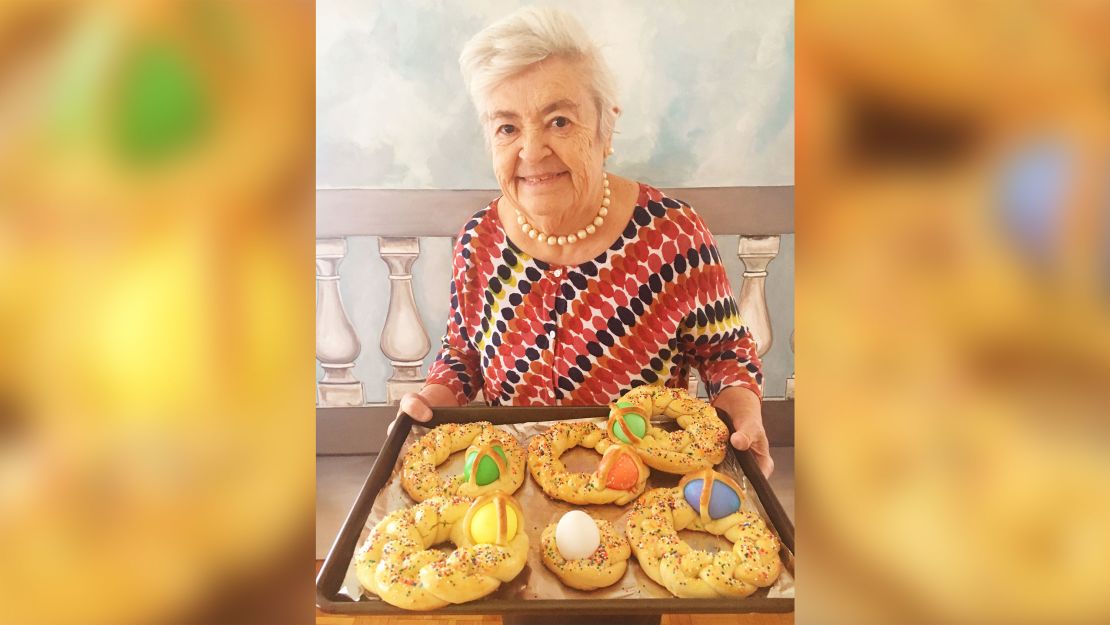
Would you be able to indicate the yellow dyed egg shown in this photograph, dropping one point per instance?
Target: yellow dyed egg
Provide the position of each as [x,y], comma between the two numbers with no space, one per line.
[483,525]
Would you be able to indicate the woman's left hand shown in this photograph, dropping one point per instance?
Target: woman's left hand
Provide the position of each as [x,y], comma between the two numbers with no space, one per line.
[746,411]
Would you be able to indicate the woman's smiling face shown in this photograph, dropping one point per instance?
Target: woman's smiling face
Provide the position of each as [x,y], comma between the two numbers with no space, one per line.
[543,132]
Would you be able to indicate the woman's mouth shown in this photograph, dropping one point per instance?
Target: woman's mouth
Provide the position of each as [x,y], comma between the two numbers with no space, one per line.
[542,179]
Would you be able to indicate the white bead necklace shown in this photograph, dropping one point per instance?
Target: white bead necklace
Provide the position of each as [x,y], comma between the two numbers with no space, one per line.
[551,239]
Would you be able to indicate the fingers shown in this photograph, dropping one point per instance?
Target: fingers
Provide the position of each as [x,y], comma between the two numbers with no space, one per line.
[765,461]
[740,440]
[415,406]
[759,447]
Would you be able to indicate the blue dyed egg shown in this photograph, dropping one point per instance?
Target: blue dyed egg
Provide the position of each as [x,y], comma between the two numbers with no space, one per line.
[723,501]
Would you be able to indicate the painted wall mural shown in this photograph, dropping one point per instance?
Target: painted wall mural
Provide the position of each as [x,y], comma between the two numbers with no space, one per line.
[707,90]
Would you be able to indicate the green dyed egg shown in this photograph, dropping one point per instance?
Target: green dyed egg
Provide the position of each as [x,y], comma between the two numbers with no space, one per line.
[487,468]
[635,422]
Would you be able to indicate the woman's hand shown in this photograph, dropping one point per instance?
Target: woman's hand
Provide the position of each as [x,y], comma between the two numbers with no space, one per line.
[419,405]
[415,406]
[746,411]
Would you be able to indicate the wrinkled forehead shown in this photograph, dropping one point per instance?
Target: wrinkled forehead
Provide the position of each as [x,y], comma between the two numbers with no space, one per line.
[540,90]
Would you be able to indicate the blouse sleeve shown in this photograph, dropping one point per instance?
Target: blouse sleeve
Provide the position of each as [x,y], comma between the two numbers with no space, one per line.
[713,337]
[457,365]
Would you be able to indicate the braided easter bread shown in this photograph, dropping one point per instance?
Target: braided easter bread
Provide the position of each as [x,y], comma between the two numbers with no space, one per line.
[620,476]
[398,563]
[659,515]
[700,444]
[494,462]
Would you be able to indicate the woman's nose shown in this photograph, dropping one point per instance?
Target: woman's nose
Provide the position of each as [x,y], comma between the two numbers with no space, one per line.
[534,147]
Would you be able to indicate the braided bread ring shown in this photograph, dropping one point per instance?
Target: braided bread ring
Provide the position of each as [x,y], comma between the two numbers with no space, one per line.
[653,527]
[700,444]
[398,564]
[602,568]
[551,474]
[418,468]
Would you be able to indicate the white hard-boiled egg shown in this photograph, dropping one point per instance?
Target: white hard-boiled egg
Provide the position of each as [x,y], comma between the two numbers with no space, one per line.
[576,535]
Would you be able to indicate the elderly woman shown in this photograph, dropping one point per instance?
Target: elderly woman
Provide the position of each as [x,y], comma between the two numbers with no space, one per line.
[577,285]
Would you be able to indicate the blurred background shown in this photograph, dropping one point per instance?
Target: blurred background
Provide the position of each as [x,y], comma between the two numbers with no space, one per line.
[953,274]
[156,210]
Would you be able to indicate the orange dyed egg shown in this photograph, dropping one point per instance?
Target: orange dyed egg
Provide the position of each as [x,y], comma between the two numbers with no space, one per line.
[623,475]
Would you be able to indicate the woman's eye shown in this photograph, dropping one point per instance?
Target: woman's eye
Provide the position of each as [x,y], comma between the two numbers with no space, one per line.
[560,122]
[506,129]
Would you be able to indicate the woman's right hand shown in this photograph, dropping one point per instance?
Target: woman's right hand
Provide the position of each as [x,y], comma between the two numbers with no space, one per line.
[415,406]
[419,405]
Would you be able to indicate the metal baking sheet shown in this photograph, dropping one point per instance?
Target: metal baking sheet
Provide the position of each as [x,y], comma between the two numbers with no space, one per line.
[536,589]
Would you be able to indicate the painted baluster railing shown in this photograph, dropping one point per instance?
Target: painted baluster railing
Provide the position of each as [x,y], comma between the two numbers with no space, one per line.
[337,344]
[756,253]
[404,340]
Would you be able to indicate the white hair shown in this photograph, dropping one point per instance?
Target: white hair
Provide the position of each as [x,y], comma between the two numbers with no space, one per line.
[528,36]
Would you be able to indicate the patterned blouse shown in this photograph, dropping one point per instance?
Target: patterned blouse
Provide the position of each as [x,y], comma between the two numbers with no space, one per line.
[652,306]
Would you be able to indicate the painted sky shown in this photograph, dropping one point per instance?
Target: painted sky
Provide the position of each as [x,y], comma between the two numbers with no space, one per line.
[706,88]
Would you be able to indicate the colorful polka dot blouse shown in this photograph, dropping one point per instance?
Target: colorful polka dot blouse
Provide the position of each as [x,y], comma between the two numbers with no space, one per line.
[653,306]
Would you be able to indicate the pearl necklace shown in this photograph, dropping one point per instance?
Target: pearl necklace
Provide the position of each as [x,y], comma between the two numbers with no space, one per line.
[551,239]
